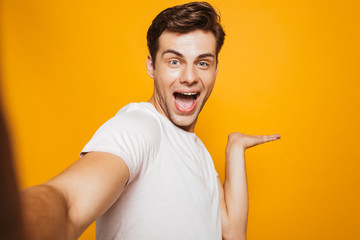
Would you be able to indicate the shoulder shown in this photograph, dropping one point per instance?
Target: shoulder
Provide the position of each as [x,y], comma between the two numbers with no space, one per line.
[132,133]
[135,120]
[137,116]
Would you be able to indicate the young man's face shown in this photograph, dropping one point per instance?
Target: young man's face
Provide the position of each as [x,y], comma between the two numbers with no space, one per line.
[184,75]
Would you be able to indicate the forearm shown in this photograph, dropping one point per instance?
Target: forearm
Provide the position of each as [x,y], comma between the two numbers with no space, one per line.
[235,194]
[45,214]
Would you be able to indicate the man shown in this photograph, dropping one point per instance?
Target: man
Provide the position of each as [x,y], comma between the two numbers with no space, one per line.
[145,174]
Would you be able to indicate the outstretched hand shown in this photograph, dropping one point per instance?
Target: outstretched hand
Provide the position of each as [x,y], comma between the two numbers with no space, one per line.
[247,141]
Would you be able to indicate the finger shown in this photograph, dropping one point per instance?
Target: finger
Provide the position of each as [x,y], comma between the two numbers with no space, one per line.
[268,138]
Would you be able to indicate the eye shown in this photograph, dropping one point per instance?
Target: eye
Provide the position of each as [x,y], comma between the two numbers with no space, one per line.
[203,64]
[174,62]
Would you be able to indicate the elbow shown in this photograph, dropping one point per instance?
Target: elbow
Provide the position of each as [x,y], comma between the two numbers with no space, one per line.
[234,232]
[230,236]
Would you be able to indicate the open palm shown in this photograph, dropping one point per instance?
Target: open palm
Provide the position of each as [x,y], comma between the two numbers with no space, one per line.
[247,141]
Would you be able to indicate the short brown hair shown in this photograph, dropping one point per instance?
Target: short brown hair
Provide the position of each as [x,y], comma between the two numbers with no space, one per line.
[183,19]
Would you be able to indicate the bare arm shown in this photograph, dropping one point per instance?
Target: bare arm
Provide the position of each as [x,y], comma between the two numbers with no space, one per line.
[65,206]
[234,194]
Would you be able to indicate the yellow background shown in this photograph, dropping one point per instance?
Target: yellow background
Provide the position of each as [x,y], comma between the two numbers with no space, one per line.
[288,67]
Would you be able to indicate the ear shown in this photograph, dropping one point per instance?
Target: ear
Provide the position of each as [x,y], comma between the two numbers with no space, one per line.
[150,66]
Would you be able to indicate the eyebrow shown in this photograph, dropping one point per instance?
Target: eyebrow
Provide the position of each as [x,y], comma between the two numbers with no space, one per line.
[173,52]
[205,55]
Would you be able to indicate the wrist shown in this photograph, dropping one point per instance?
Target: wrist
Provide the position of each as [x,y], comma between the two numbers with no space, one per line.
[238,148]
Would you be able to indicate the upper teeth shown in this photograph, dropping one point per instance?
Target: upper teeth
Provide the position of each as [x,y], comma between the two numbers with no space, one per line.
[190,94]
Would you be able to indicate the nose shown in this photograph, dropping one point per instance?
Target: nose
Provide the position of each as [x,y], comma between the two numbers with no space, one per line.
[189,75]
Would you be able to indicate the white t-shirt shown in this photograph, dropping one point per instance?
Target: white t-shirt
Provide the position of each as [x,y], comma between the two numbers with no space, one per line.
[172,191]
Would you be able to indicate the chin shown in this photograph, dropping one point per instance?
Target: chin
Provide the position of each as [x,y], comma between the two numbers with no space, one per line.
[184,122]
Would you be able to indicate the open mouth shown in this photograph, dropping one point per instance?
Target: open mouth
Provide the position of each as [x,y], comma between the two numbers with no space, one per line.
[186,101]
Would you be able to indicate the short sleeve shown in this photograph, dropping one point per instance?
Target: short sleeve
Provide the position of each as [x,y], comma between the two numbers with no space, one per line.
[133,136]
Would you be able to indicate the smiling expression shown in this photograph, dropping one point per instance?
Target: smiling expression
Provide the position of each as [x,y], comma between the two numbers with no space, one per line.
[184,75]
